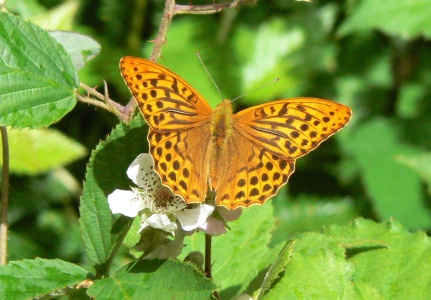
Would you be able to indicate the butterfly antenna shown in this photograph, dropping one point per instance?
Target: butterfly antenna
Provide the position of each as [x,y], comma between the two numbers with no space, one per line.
[209,75]
[261,87]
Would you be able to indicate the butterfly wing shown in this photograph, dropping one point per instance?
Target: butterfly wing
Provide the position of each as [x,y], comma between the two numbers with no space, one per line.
[167,102]
[249,174]
[179,125]
[290,128]
[179,158]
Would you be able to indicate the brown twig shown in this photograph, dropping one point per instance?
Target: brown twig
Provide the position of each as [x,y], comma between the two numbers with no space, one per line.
[125,113]
[4,197]
[172,9]
[95,98]
[209,9]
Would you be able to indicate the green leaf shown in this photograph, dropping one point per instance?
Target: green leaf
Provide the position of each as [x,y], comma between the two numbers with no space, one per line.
[154,279]
[308,213]
[421,163]
[242,253]
[276,268]
[81,48]
[363,260]
[399,270]
[37,78]
[267,51]
[30,278]
[406,18]
[106,171]
[40,150]
[317,269]
[395,190]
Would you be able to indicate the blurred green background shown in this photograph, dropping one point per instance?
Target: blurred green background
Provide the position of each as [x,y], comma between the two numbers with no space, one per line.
[372,55]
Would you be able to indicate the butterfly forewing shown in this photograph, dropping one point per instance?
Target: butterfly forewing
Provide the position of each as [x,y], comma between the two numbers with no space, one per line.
[166,101]
[291,128]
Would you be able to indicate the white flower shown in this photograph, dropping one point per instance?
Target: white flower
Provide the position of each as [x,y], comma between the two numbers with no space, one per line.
[156,204]
[216,223]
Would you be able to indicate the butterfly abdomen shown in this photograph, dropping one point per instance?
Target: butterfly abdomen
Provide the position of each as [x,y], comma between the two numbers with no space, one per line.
[220,129]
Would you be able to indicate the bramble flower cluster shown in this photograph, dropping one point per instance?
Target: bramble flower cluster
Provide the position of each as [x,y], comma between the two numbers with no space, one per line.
[160,209]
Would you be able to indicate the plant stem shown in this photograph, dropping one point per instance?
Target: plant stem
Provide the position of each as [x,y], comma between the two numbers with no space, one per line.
[208,240]
[208,262]
[172,9]
[208,9]
[168,14]
[124,113]
[4,197]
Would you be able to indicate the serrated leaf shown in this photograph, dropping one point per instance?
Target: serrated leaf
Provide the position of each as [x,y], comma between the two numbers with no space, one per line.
[401,269]
[37,78]
[421,163]
[317,269]
[155,279]
[389,263]
[395,190]
[276,268]
[241,253]
[30,278]
[81,48]
[37,151]
[101,231]
[386,15]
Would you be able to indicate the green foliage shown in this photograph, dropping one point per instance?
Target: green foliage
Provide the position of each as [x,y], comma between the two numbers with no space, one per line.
[101,231]
[388,181]
[372,55]
[29,278]
[364,260]
[155,279]
[41,150]
[37,78]
[235,265]
[386,15]
[420,163]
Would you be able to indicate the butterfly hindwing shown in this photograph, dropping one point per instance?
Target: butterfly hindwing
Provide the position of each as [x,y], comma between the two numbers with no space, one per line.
[291,128]
[166,101]
[249,174]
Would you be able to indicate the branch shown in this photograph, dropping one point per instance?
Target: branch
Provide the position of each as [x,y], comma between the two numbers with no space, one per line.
[95,98]
[172,9]
[209,9]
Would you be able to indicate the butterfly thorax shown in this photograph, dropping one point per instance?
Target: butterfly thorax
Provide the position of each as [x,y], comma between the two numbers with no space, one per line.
[221,129]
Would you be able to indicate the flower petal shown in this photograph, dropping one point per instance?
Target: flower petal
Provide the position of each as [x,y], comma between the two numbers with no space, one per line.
[126,203]
[229,215]
[159,221]
[140,168]
[213,226]
[194,217]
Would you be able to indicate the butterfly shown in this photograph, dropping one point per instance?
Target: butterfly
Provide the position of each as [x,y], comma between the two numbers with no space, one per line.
[244,157]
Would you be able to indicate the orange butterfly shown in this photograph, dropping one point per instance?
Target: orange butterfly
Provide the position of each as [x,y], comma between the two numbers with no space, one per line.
[244,157]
